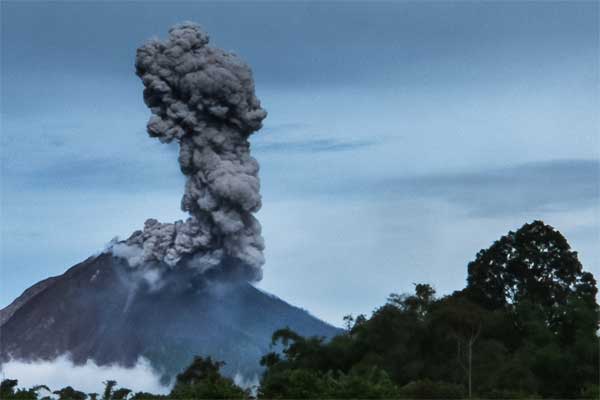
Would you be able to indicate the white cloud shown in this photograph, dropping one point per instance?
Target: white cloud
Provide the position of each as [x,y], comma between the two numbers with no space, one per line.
[87,378]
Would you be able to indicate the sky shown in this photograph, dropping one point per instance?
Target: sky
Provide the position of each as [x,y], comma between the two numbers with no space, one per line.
[402,137]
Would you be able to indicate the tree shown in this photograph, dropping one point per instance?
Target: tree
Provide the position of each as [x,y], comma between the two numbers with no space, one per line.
[68,393]
[463,320]
[305,383]
[535,263]
[419,303]
[108,389]
[202,380]
[37,388]
[7,388]
[292,383]
[121,394]
[7,391]
[348,322]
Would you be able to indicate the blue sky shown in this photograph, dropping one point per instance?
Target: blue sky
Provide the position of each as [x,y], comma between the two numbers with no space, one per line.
[402,137]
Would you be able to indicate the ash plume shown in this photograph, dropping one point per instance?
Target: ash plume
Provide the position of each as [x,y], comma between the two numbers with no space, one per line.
[203,98]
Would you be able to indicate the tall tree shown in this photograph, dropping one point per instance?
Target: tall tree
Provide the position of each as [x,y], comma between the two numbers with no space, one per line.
[463,321]
[535,263]
[108,389]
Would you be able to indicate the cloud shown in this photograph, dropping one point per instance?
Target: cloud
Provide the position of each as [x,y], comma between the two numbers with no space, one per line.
[88,377]
[297,137]
[282,128]
[541,186]
[55,153]
[312,146]
[353,48]
[112,173]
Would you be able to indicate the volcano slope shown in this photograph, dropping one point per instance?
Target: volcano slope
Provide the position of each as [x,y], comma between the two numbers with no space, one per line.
[97,310]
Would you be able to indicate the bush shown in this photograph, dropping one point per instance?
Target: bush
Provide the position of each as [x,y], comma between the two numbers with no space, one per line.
[591,392]
[426,389]
[202,380]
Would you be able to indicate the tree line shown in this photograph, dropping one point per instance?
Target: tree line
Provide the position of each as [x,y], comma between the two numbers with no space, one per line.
[525,326]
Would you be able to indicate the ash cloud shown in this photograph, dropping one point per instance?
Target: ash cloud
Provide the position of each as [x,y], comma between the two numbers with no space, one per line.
[203,98]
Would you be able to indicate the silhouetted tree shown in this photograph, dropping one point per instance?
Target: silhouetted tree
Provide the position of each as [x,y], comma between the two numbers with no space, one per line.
[7,388]
[121,394]
[535,263]
[202,380]
[108,389]
[68,393]
[418,303]
[463,321]
[7,391]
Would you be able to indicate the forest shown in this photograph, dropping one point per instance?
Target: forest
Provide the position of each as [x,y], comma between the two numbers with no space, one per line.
[525,326]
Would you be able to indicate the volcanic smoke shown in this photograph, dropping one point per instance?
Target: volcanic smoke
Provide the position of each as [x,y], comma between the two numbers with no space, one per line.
[203,98]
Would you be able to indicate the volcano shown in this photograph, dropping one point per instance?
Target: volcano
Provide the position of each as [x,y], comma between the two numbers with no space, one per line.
[97,311]
[174,290]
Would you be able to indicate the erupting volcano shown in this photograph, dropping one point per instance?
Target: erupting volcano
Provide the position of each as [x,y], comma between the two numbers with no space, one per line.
[174,290]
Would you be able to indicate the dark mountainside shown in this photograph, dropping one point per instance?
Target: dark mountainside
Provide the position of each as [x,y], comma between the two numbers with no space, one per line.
[95,311]
[10,309]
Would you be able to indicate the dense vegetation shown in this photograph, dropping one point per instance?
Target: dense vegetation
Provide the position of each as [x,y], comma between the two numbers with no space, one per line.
[525,326]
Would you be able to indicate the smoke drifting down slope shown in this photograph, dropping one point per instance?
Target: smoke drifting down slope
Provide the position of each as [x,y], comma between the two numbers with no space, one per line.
[203,98]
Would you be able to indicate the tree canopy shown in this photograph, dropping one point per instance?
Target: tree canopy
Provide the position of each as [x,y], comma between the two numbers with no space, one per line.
[536,264]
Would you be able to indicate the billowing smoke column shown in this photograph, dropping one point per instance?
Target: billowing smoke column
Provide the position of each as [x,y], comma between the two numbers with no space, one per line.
[203,98]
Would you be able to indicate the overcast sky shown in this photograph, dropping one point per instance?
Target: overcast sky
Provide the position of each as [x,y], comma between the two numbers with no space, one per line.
[402,138]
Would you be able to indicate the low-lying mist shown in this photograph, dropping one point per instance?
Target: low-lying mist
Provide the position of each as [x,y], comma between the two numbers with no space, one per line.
[88,377]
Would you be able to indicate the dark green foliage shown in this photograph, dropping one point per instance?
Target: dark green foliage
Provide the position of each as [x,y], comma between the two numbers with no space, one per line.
[591,391]
[68,393]
[7,388]
[108,389]
[372,384]
[202,380]
[148,396]
[426,389]
[309,384]
[535,263]
[525,326]
[7,391]
[120,394]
